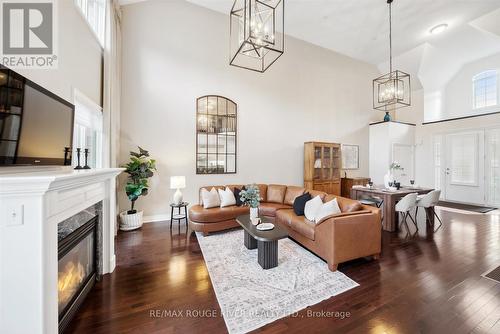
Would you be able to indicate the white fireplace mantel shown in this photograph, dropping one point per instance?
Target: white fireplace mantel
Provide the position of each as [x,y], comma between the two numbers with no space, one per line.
[31,206]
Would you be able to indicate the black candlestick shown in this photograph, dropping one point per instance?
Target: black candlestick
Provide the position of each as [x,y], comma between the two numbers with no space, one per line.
[67,156]
[86,153]
[78,151]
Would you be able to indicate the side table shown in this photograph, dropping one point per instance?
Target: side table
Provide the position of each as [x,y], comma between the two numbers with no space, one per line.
[179,215]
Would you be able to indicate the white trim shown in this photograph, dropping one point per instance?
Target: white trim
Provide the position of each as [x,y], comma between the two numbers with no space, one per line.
[156,218]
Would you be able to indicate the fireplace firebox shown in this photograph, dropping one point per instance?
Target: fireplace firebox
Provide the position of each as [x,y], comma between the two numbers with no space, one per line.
[77,253]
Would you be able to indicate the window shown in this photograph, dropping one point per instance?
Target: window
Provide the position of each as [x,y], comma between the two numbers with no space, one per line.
[485,89]
[88,130]
[215,135]
[94,12]
[493,166]
[464,159]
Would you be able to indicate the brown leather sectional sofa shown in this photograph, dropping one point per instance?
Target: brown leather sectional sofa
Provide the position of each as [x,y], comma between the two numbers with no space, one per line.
[351,234]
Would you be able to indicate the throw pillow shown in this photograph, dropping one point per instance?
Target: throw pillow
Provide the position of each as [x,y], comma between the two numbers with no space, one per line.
[226,197]
[327,209]
[210,198]
[299,203]
[311,208]
[237,192]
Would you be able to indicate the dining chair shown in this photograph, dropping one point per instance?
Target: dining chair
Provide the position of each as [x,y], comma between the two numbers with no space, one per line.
[404,206]
[428,202]
[373,201]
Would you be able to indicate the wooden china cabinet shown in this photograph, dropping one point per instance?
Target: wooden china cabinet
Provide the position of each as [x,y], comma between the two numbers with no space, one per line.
[322,165]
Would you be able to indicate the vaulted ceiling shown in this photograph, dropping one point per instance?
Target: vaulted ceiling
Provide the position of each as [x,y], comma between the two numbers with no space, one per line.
[360,29]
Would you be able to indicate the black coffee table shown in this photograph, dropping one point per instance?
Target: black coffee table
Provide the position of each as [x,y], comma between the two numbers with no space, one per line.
[266,242]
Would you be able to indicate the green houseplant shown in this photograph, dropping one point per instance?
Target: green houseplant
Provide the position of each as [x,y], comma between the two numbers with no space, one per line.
[250,196]
[139,169]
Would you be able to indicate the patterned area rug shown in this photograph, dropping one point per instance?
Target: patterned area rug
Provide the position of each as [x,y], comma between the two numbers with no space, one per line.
[250,297]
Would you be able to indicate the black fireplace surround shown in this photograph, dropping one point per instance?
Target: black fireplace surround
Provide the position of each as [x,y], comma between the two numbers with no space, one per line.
[79,261]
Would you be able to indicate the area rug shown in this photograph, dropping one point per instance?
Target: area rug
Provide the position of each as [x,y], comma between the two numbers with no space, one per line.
[250,297]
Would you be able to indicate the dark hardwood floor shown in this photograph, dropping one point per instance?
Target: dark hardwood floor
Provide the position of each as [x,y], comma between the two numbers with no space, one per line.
[427,283]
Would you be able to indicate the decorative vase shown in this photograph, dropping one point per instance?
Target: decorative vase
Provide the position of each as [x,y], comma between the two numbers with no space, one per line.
[129,222]
[388,178]
[387,117]
[254,213]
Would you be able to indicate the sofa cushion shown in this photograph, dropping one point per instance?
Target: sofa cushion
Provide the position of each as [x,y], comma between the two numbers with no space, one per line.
[303,226]
[299,204]
[349,205]
[236,192]
[312,207]
[226,197]
[208,188]
[315,193]
[269,209]
[327,209]
[276,193]
[263,192]
[292,192]
[210,198]
[284,216]
[352,207]
[199,214]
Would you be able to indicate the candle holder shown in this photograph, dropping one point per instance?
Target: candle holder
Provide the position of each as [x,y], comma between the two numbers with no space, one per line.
[67,156]
[78,152]
[86,154]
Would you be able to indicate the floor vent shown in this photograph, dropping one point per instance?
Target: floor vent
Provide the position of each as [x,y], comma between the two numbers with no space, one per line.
[493,275]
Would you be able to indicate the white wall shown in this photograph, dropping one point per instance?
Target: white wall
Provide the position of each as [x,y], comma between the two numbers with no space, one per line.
[174,52]
[458,96]
[80,58]
[424,134]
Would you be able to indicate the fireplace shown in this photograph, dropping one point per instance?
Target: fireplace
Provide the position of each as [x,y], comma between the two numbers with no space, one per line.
[77,268]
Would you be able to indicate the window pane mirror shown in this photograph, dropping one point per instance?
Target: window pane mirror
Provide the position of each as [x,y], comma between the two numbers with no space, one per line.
[215,135]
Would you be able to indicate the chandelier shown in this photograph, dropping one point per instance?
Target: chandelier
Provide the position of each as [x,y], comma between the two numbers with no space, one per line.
[392,90]
[257,37]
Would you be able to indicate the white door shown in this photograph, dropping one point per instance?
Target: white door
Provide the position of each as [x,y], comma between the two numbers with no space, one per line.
[403,154]
[492,167]
[464,167]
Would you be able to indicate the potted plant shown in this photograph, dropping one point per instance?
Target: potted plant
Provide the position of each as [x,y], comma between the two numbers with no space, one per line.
[250,196]
[389,179]
[139,169]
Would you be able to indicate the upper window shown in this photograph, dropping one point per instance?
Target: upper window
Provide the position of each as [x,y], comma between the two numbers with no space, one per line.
[485,90]
[88,130]
[94,12]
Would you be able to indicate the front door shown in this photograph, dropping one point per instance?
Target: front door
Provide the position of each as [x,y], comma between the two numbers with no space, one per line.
[464,168]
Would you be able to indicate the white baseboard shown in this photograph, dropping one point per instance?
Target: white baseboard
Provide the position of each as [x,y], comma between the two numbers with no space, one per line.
[156,218]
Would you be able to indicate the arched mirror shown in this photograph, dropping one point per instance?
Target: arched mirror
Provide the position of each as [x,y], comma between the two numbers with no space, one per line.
[215,135]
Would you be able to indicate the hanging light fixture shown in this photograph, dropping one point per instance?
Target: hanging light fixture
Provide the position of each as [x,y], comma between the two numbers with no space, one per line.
[392,90]
[257,37]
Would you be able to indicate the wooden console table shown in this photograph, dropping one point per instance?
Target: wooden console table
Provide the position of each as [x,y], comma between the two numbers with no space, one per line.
[346,184]
[390,219]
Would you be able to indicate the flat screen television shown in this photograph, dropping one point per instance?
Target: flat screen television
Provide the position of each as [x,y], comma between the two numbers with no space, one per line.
[36,126]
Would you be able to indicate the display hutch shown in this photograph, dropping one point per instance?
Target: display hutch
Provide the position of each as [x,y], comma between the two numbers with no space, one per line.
[322,166]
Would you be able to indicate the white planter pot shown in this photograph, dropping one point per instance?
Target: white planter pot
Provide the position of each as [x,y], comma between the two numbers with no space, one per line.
[254,213]
[130,222]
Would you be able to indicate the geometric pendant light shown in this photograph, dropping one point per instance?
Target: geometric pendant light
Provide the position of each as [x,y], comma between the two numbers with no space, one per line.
[257,37]
[392,90]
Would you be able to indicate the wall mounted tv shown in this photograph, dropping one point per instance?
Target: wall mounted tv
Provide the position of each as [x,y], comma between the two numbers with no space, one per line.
[36,126]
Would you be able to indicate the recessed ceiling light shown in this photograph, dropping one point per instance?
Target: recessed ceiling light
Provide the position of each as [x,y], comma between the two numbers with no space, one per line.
[439,28]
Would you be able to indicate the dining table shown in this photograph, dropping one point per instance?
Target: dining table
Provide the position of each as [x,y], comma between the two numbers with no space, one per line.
[390,219]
